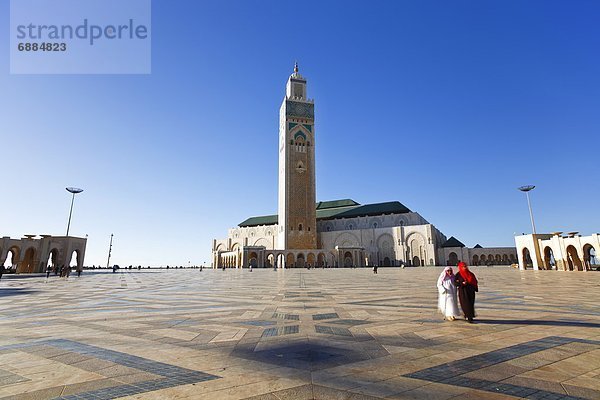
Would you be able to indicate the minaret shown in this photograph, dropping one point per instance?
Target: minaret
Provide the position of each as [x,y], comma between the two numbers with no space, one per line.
[297,213]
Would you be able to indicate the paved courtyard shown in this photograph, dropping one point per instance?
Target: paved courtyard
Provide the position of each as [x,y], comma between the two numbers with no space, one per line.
[297,334]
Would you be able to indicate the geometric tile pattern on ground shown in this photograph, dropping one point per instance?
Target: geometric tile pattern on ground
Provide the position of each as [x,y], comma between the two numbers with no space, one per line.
[297,334]
[450,373]
[165,375]
[318,317]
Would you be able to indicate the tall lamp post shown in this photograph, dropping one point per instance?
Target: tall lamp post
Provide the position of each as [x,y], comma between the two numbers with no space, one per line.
[109,251]
[527,189]
[74,191]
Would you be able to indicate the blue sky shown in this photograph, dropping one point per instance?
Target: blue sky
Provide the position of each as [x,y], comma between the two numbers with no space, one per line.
[446,107]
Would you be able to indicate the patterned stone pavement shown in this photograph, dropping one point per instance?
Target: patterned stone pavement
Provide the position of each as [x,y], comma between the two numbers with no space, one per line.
[297,334]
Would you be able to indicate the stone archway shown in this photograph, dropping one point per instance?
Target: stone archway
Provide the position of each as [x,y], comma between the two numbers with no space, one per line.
[573,259]
[416,261]
[527,261]
[310,259]
[300,261]
[28,263]
[289,261]
[385,249]
[549,262]
[280,258]
[270,261]
[452,259]
[589,257]
[321,260]
[387,262]
[475,260]
[348,261]
[53,259]
[12,258]
[253,260]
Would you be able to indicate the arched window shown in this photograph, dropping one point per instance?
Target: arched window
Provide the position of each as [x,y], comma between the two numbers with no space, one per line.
[300,227]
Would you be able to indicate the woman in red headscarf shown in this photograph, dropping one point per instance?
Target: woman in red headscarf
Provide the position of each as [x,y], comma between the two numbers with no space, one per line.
[466,282]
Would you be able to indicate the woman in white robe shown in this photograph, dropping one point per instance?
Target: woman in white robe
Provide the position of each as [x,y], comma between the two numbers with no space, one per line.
[447,303]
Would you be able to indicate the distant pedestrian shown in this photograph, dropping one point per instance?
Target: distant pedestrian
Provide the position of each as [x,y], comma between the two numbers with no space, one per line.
[466,282]
[447,303]
[62,271]
[250,267]
[375,269]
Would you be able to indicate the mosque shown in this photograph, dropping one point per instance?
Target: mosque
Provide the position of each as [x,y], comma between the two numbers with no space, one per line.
[339,233]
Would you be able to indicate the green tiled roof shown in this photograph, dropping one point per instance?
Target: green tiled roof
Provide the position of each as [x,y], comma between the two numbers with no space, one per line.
[336,203]
[391,207]
[453,242]
[264,220]
[338,209]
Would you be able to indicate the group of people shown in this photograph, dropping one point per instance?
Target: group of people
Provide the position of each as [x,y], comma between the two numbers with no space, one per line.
[462,285]
[63,271]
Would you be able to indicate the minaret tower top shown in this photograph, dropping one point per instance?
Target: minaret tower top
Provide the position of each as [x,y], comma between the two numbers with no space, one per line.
[296,86]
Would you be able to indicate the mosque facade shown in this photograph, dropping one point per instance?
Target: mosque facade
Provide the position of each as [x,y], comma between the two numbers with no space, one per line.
[339,233]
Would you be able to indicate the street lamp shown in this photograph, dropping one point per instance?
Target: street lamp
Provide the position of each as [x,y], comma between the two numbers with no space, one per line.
[527,189]
[74,191]
[109,251]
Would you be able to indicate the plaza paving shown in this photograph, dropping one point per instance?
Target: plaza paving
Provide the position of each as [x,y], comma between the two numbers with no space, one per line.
[297,334]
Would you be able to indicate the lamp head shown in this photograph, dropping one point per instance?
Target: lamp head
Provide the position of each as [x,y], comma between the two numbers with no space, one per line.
[74,190]
[526,188]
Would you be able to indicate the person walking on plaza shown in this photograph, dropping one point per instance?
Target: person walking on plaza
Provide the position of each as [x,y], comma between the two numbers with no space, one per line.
[466,282]
[447,303]
[48,270]
[375,269]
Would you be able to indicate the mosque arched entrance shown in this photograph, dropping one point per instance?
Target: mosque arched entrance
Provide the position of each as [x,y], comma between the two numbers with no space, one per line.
[270,261]
[253,260]
[321,260]
[12,258]
[549,262]
[527,261]
[27,265]
[348,259]
[573,259]
[589,257]
[300,261]
[53,258]
[387,262]
[416,261]
[289,261]
[453,259]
